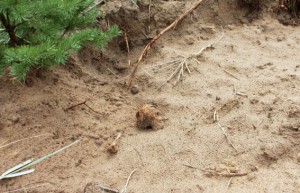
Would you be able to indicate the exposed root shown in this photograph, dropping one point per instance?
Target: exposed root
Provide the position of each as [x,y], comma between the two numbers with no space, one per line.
[147,47]
[183,63]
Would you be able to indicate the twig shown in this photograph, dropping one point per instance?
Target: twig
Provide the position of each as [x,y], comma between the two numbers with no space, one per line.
[149,12]
[127,182]
[126,41]
[216,118]
[224,132]
[227,72]
[193,167]
[211,44]
[239,93]
[228,185]
[124,190]
[294,86]
[81,103]
[21,140]
[4,142]
[76,105]
[91,108]
[226,174]
[213,173]
[106,188]
[147,47]
[289,132]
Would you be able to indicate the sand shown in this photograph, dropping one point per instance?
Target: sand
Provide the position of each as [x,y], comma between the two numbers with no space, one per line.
[230,125]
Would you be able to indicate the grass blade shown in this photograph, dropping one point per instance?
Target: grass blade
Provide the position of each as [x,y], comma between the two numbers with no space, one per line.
[19,174]
[17,170]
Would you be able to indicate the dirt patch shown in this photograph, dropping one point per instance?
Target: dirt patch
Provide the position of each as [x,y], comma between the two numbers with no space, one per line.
[250,79]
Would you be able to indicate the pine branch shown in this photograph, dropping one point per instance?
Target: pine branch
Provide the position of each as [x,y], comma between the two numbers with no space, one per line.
[41,34]
[9,29]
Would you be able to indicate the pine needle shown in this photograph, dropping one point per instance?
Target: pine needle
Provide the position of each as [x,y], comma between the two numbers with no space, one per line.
[18,169]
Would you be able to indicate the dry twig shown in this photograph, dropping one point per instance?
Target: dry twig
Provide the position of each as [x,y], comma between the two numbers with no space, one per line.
[90,187]
[216,118]
[226,174]
[147,47]
[81,103]
[227,72]
[126,41]
[214,173]
[226,136]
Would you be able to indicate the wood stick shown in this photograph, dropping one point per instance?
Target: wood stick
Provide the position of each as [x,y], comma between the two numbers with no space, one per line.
[81,103]
[147,47]
[76,105]
[216,118]
[95,186]
[213,173]
[106,188]
[226,136]
[227,72]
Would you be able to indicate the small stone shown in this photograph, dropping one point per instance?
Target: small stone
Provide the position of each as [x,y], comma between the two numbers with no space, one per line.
[15,119]
[98,142]
[189,40]
[134,89]
[298,157]
[119,103]
[254,168]
[280,38]
[230,27]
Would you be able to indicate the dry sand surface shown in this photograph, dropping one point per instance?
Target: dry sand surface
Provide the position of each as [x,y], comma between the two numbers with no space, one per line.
[230,125]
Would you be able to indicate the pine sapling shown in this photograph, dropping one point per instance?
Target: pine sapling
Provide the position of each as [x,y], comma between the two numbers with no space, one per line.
[38,34]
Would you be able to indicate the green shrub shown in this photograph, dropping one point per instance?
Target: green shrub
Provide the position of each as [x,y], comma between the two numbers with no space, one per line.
[42,33]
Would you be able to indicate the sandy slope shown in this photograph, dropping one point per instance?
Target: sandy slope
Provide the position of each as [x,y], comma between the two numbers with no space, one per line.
[251,76]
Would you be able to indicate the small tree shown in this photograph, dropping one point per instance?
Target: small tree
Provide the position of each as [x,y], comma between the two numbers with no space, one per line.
[43,33]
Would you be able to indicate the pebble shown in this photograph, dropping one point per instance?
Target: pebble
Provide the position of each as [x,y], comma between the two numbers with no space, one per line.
[134,89]
[15,119]
[298,157]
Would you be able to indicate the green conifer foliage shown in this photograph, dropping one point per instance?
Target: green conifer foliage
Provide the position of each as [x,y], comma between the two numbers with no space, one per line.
[43,33]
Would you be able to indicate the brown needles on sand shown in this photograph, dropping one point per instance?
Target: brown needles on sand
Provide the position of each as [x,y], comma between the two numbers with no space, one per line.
[147,47]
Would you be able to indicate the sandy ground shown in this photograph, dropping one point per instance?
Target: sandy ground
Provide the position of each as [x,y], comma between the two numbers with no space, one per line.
[247,86]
